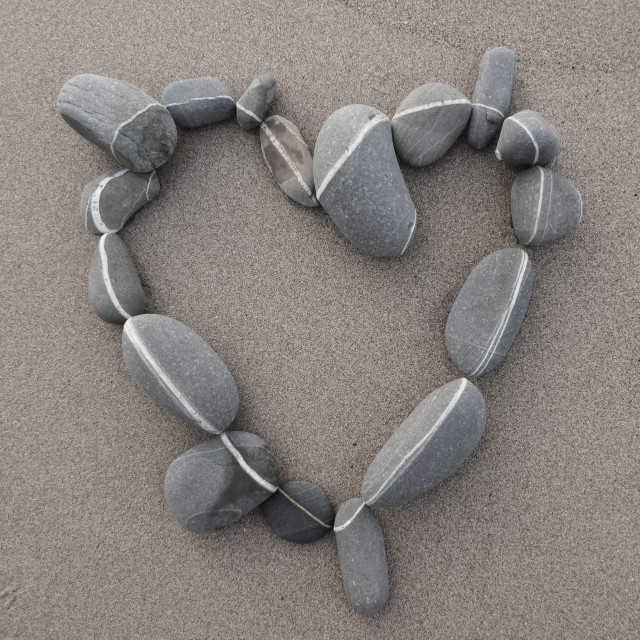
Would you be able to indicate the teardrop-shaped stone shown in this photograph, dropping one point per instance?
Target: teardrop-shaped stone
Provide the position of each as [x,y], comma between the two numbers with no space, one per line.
[253,104]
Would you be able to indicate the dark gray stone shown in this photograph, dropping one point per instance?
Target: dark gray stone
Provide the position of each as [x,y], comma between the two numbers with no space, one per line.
[299,511]
[491,96]
[198,102]
[120,119]
[487,314]
[115,292]
[217,482]
[359,183]
[180,371]
[436,438]
[526,139]
[363,560]
[544,206]
[288,159]
[428,121]
[253,104]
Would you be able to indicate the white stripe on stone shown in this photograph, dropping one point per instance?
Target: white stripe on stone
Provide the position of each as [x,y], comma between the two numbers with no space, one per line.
[245,465]
[180,104]
[249,113]
[94,202]
[297,504]
[107,280]
[291,131]
[413,230]
[146,192]
[344,525]
[548,216]
[486,106]
[537,220]
[128,120]
[535,144]
[430,105]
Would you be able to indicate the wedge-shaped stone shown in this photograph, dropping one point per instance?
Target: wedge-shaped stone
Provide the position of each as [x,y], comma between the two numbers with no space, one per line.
[197,102]
[253,104]
[526,139]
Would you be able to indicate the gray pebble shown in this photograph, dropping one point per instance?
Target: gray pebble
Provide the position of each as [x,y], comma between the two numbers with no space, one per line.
[487,314]
[253,104]
[436,438]
[526,139]
[359,183]
[180,371]
[428,121]
[217,482]
[120,119]
[544,206]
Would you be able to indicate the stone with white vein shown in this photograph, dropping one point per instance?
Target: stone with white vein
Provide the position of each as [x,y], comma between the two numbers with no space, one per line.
[253,104]
[197,102]
[526,139]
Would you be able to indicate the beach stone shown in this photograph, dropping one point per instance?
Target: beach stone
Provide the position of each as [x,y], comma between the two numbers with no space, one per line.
[436,438]
[487,314]
[359,183]
[363,560]
[544,206]
[197,102]
[180,371]
[526,139]
[299,512]
[215,483]
[491,96]
[253,104]
[288,159]
[119,118]
[428,121]
[109,200]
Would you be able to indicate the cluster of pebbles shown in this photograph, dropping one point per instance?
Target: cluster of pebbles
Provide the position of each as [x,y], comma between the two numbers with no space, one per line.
[355,176]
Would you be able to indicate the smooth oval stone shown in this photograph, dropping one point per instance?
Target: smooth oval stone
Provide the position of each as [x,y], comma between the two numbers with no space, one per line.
[288,159]
[428,121]
[198,102]
[120,119]
[299,511]
[544,206]
[217,482]
[115,291]
[487,314]
[526,139]
[253,104]
[180,371]
[363,560]
[359,183]
[491,96]
[109,201]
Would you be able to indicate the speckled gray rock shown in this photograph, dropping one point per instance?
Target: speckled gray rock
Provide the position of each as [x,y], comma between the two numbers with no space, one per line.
[180,371]
[217,482]
[526,139]
[120,119]
[363,560]
[115,292]
[436,438]
[109,201]
[359,183]
[198,102]
[544,206]
[253,104]
[488,312]
[428,121]
[491,96]
[288,159]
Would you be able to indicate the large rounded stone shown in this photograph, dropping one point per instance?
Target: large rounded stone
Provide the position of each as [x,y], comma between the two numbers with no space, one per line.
[253,104]
[526,139]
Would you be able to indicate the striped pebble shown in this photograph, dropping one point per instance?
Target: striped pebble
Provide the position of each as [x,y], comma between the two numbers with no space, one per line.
[180,371]
[488,312]
[115,292]
[526,139]
[436,438]
[253,104]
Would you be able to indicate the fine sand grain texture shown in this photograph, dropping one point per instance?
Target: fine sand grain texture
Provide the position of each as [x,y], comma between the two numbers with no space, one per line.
[535,536]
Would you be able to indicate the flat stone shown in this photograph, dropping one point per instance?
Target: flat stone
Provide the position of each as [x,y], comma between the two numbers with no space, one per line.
[253,104]
[197,102]
[299,511]
[428,121]
[487,314]
[119,118]
[544,206]
[288,159]
[217,482]
[526,139]
[363,560]
[180,371]
[359,183]
[491,96]
[436,438]
[115,291]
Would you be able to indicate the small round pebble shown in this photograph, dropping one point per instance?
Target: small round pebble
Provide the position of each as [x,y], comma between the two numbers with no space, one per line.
[526,139]
[253,104]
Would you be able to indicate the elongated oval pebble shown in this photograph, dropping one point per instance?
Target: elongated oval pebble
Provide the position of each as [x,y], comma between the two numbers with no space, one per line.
[253,104]
[436,438]
[120,119]
[180,371]
[544,206]
[217,482]
[428,121]
[197,102]
[526,139]
[363,560]
[359,183]
[487,314]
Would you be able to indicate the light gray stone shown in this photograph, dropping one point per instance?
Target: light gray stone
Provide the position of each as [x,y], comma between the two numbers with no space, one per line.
[526,139]
[253,104]
[197,102]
